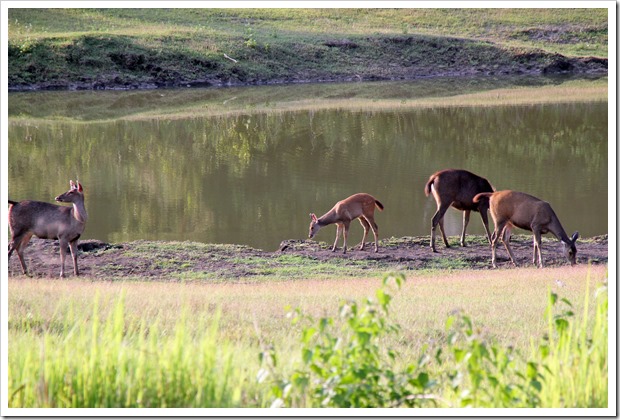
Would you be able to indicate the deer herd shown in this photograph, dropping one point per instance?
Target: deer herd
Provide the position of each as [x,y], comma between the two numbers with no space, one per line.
[456,188]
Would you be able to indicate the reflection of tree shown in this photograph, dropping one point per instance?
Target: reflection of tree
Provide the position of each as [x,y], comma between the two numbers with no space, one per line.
[254,178]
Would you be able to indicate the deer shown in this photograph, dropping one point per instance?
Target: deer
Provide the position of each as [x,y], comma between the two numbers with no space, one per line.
[49,221]
[359,206]
[517,209]
[457,188]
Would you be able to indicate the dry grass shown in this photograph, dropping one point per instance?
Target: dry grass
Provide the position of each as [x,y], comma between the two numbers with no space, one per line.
[508,303]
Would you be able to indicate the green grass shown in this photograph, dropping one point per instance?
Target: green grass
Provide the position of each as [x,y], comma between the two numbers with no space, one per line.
[106,363]
[345,362]
[173,331]
[133,46]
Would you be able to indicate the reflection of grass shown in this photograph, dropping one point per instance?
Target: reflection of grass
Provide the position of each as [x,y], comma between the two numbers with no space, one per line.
[181,104]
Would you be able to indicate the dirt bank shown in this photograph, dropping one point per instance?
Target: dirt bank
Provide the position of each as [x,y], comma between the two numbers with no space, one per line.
[188,261]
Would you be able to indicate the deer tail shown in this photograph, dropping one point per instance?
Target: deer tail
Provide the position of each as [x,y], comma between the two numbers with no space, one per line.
[12,203]
[482,196]
[429,184]
[379,205]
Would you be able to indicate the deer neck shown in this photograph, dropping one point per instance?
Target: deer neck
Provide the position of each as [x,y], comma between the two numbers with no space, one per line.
[559,232]
[79,212]
[328,218]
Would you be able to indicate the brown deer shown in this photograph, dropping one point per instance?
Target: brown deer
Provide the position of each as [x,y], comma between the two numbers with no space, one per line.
[457,188]
[513,208]
[359,206]
[49,221]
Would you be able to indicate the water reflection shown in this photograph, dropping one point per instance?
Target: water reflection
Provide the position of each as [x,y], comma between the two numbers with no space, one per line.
[253,179]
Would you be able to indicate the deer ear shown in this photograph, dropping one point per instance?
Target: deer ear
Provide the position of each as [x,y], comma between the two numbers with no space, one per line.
[72,184]
[79,187]
[313,217]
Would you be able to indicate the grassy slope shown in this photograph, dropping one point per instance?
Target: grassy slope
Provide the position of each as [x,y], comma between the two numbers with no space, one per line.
[151,47]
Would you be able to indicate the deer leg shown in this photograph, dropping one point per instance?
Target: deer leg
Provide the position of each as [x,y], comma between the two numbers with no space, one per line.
[338,227]
[485,222]
[345,233]
[465,223]
[438,220]
[494,239]
[375,232]
[537,252]
[366,226]
[73,248]
[63,254]
[19,243]
[506,241]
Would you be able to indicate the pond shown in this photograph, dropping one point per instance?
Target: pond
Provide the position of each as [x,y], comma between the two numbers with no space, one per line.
[226,166]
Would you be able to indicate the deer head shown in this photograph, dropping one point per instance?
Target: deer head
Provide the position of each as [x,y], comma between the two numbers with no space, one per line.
[314,226]
[570,251]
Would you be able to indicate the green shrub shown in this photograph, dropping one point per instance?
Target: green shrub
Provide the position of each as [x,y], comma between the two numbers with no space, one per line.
[344,362]
[348,366]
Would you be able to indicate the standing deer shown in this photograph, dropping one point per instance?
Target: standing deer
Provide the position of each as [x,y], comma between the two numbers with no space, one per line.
[359,206]
[49,221]
[457,188]
[513,208]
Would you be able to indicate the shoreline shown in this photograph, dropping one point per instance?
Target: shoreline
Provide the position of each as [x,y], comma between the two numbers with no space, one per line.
[295,259]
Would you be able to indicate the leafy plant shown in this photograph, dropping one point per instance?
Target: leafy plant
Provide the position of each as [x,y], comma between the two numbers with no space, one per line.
[348,366]
[344,363]
[564,369]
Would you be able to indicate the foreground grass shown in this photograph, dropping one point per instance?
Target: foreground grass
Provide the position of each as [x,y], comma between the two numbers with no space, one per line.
[57,327]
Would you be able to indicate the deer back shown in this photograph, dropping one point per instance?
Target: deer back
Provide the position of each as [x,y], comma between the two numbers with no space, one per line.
[457,186]
[44,220]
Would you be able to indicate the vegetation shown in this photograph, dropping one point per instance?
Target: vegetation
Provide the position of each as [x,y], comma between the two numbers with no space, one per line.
[100,48]
[182,345]
[353,369]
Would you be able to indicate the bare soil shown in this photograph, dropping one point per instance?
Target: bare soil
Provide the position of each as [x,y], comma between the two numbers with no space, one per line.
[173,261]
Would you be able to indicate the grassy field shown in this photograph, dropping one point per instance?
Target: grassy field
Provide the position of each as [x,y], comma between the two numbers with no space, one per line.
[143,342]
[99,48]
[94,342]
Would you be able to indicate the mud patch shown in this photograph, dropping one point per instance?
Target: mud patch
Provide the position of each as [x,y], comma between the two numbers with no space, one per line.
[191,261]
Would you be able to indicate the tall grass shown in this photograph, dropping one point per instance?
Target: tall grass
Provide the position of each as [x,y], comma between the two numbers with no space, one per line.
[175,345]
[574,355]
[114,363]
[350,367]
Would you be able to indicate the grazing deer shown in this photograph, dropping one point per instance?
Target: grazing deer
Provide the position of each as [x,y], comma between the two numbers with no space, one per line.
[49,221]
[359,206]
[512,208]
[457,188]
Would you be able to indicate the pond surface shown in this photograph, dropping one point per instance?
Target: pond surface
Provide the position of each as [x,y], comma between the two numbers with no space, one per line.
[253,178]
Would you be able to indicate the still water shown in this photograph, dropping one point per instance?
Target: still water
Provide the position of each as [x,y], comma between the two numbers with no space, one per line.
[253,178]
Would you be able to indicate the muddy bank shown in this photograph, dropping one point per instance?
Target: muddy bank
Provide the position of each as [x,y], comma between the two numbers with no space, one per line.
[190,261]
[555,65]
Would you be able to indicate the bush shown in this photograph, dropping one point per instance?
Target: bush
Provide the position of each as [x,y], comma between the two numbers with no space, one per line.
[349,366]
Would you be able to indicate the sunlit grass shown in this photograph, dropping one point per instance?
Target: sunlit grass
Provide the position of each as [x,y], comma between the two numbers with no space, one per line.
[96,343]
[500,25]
